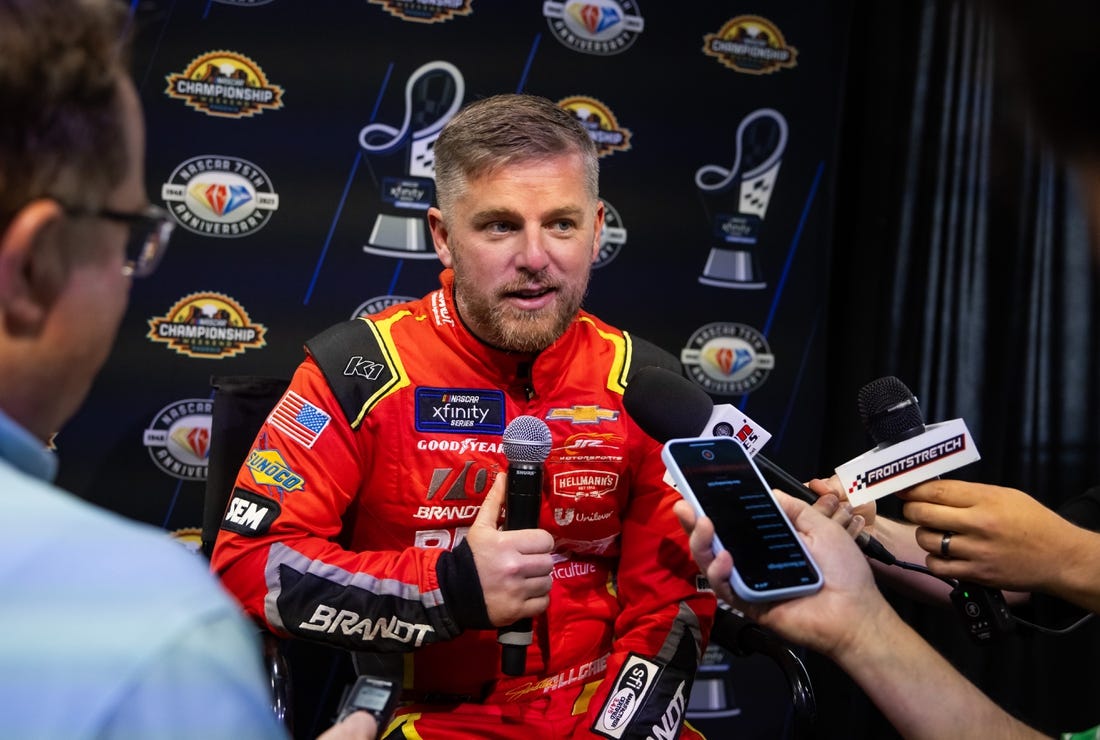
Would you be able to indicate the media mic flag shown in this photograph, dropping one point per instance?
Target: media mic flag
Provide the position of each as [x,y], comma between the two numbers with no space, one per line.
[908,452]
[666,405]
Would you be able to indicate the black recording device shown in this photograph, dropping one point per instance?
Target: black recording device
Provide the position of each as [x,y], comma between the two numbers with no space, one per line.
[717,477]
[377,696]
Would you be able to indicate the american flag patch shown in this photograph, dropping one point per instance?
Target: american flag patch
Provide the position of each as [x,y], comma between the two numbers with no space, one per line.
[299,419]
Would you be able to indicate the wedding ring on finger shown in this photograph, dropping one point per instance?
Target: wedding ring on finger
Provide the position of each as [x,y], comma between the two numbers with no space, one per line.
[945,544]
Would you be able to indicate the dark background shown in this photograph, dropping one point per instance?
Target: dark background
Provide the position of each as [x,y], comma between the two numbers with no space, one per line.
[827,252]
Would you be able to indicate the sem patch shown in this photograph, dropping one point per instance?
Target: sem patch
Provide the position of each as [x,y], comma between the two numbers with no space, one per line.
[178,438]
[728,359]
[460,410]
[601,27]
[226,84]
[220,196]
[211,326]
[249,513]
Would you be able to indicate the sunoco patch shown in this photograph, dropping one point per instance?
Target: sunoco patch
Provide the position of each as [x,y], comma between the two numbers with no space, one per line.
[460,410]
[212,326]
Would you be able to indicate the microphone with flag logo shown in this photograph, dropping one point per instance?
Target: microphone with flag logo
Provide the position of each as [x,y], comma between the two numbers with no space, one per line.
[526,445]
[908,452]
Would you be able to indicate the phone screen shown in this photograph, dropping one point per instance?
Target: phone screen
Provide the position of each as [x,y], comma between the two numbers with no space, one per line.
[766,552]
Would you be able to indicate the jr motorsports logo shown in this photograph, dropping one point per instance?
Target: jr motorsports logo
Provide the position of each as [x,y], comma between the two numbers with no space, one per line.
[602,127]
[602,27]
[728,359]
[425,11]
[212,326]
[225,84]
[178,438]
[217,195]
[750,44]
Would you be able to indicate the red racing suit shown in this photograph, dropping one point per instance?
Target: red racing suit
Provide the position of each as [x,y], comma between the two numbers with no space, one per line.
[346,524]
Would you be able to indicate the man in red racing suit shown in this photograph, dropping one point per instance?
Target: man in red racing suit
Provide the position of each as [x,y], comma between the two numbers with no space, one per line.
[348,525]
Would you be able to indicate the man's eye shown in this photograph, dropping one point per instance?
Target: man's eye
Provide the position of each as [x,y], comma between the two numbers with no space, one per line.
[498,227]
[563,225]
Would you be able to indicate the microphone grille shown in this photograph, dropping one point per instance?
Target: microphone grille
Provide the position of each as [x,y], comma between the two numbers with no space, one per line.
[527,439]
[889,411]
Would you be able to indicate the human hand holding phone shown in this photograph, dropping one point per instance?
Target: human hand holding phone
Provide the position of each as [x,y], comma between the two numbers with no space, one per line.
[720,481]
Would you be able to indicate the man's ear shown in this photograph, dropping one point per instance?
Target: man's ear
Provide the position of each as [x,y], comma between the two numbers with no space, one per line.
[32,266]
[440,236]
[601,214]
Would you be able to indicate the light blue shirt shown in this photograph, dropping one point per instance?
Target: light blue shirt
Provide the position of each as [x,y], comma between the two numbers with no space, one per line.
[108,628]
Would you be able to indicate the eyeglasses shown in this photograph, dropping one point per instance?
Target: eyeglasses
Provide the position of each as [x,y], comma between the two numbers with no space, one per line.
[150,230]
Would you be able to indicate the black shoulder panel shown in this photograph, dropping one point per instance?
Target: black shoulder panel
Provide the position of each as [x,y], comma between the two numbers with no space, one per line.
[360,364]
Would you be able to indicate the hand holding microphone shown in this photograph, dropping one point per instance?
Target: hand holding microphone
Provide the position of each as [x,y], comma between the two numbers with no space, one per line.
[514,564]
[526,446]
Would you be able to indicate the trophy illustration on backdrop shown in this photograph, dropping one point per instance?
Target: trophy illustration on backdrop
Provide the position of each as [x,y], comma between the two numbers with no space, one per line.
[738,199]
[433,94]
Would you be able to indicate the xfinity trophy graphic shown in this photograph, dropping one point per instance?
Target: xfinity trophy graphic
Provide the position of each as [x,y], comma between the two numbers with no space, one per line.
[736,199]
[433,94]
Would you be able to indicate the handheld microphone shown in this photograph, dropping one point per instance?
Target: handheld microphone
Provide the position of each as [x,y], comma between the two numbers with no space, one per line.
[667,406]
[907,451]
[526,446]
[892,416]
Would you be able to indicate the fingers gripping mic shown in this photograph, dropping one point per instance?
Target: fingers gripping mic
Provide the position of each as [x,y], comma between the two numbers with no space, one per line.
[526,446]
[907,452]
[667,405]
[892,416]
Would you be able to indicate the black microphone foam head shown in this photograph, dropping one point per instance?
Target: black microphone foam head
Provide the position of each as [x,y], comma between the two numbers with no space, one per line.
[527,440]
[889,411]
[666,405]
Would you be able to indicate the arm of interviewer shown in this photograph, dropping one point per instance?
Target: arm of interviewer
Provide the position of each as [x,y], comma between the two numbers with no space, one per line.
[849,621]
[1005,538]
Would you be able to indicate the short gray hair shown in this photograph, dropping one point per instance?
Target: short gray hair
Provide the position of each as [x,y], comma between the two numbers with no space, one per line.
[502,129]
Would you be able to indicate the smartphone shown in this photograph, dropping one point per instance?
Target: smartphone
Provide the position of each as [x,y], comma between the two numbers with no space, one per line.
[720,480]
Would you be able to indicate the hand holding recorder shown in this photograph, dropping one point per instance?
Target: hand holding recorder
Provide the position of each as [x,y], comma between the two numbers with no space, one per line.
[717,477]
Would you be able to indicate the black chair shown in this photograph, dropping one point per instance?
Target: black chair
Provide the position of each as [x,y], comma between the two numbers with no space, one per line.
[242,403]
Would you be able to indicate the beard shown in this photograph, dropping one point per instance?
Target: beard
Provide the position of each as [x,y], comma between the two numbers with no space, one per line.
[501,325]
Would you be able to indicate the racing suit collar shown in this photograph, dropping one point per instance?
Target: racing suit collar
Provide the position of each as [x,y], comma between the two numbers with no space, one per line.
[534,373]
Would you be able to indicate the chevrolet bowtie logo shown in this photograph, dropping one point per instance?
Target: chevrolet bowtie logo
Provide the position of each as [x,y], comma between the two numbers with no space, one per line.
[583,414]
